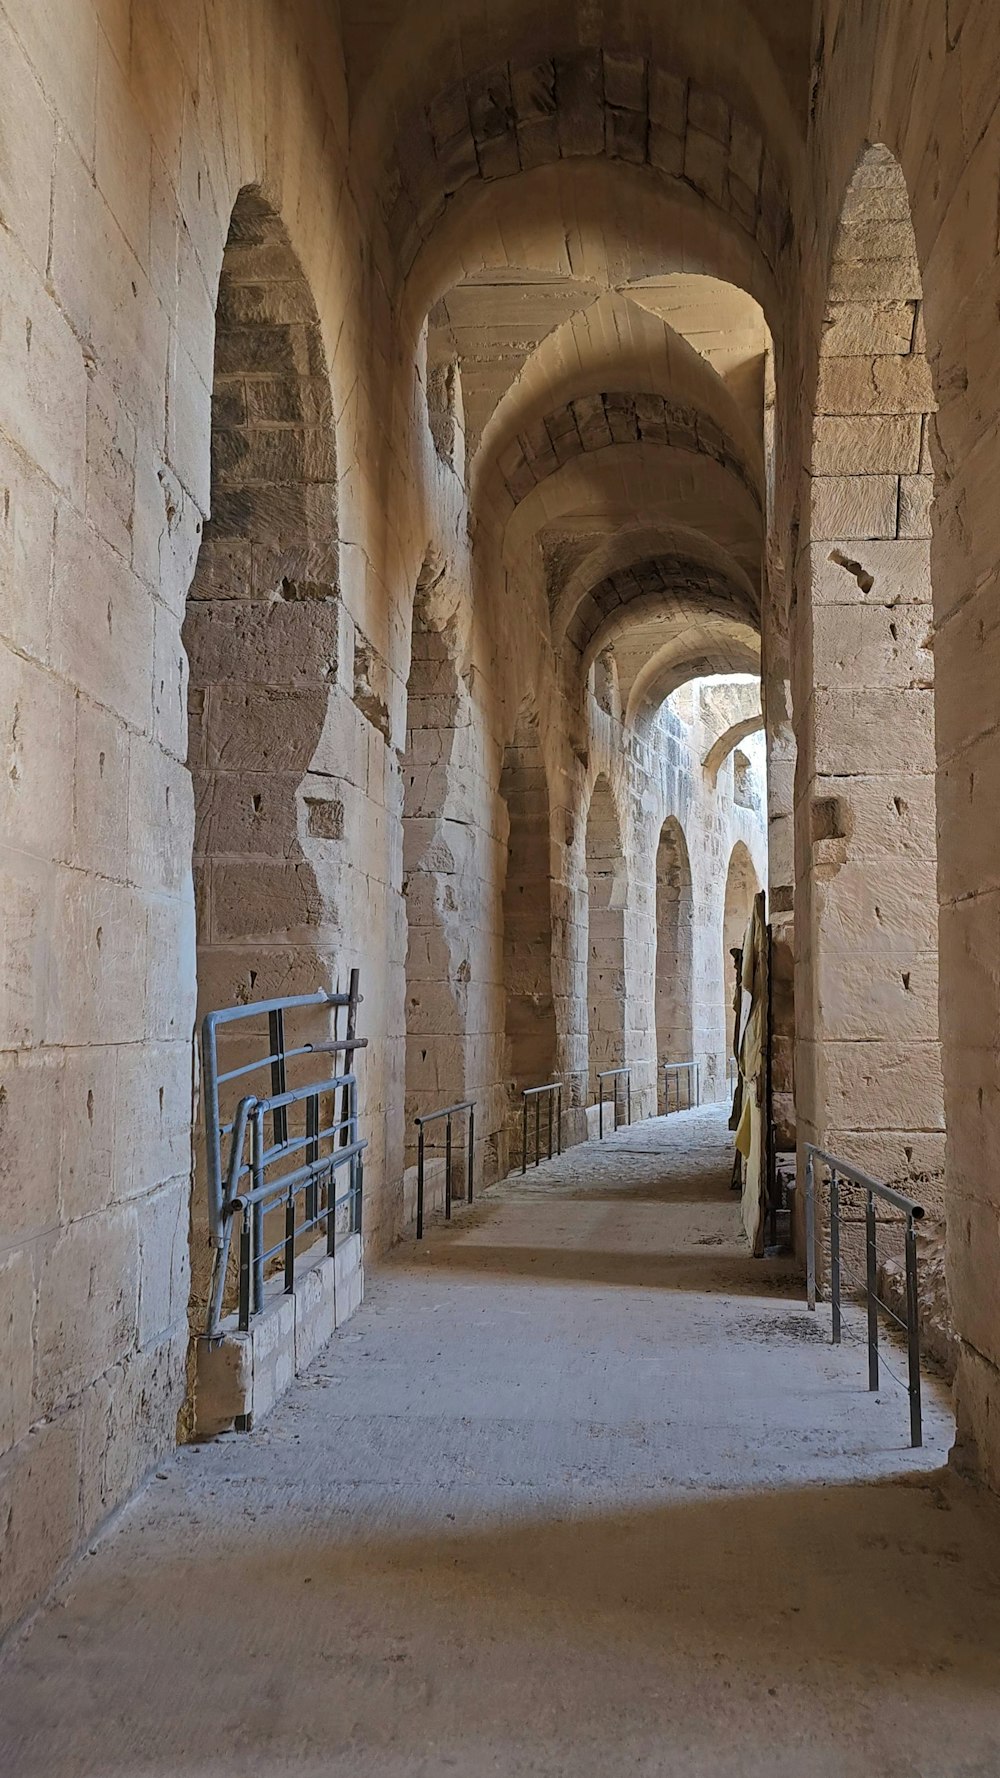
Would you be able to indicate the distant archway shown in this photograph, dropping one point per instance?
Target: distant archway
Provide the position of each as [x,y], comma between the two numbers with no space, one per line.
[606,934]
[530,1016]
[674,984]
[742,884]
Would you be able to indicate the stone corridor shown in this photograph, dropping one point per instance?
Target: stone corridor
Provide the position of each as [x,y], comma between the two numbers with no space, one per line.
[581,1489]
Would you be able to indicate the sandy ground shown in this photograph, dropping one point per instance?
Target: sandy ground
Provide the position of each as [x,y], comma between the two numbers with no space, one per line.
[581,1490]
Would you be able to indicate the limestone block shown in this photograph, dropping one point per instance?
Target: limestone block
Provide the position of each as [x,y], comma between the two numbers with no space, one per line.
[100,790]
[224,1386]
[273,1354]
[862,445]
[977,1399]
[35,800]
[39,1508]
[973,1256]
[102,622]
[29,1131]
[17,1313]
[160,819]
[315,1307]
[848,507]
[129,1422]
[288,642]
[863,330]
[97,988]
[39,353]
[169,966]
[872,645]
[967,793]
[881,385]
[916,497]
[864,996]
[580,100]
[880,1086]
[267,730]
[88,1121]
[25,897]
[26,176]
[27,522]
[264,900]
[87,1304]
[708,111]
[889,572]
[875,732]
[163,1219]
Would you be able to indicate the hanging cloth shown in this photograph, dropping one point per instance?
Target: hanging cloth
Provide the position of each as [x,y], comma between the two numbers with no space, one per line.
[752,1046]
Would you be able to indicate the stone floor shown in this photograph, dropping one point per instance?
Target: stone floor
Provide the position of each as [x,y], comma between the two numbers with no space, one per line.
[581,1490]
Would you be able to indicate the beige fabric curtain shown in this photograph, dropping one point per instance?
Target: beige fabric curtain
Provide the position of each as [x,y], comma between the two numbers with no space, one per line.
[751,1055]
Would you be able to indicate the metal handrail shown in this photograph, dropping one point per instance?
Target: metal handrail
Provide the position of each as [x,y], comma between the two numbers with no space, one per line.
[613,1074]
[553,1088]
[276,1059]
[840,1170]
[674,1070]
[311,1180]
[291,1165]
[430,1117]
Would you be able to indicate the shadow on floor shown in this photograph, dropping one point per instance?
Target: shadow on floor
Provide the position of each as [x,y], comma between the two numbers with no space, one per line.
[711,1271]
[837,1630]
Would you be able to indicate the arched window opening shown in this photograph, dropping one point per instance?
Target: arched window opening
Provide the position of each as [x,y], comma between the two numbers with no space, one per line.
[262,635]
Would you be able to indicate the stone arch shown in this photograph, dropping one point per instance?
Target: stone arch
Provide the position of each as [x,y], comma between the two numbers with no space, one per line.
[437,964]
[729,740]
[606,896]
[742,884]
[530,1025]
[674,980]
[515,118]
[262,640]
[866,804]
[610,417]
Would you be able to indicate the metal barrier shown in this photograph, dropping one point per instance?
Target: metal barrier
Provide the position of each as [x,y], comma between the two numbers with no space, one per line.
[673,1071]
[322,1143]
[614,1074]
[553,1088]
[841,1171]
[732,1070]
[430,1117]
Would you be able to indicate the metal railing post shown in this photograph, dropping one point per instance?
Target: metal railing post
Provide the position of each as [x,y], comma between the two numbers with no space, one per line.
[871,1276]
[559,1115]
[835,1255]
[628,1098]
[524,1134]
[447,1168]
[913,1336]
[420,1183]
[600,1109]
[810,1232]
[538,1115]
[472,1153]
[551,1100]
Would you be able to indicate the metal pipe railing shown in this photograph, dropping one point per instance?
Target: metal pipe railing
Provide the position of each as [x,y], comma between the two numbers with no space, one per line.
[673,1071]
[430,1117]
[553,1090]
[614,1074]
[842,1172]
